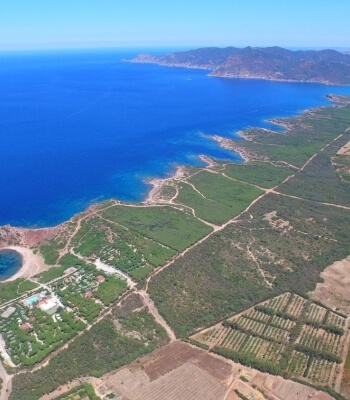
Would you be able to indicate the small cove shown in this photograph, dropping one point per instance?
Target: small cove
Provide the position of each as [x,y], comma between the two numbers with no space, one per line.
[10,263]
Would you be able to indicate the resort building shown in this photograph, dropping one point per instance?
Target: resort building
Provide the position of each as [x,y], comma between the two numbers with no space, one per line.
[25,327]
[49,305]
[100,278]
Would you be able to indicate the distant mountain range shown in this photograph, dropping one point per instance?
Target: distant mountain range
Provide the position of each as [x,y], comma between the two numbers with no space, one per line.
[272,63]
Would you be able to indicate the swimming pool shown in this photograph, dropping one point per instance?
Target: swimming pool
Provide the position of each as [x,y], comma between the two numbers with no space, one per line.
[32,300]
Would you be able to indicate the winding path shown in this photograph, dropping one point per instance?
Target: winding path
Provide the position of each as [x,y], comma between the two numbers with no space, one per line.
[144,292]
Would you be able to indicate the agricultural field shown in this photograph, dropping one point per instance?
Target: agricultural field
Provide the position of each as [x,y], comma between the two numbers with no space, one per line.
[345,383]
[180,371]
[258,262]
[280,336]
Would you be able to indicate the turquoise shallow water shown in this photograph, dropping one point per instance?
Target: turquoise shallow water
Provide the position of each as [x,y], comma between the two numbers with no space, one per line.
[82,126]
[10,263]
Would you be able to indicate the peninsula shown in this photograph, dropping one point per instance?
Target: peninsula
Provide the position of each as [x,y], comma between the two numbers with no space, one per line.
[271,63]
[217,263]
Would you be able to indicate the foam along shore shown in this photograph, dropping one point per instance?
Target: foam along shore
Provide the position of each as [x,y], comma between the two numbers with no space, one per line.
[158,183]
[230,144]
[154,194]
[32,264]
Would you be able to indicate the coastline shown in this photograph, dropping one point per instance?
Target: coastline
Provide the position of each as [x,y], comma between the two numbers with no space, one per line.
[157,184]
[32,264]
[213,74]
[22,239]
[33,236]
[229,144]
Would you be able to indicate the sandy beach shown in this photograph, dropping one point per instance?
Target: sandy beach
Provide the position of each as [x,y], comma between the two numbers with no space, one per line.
[158,183]
[32,263]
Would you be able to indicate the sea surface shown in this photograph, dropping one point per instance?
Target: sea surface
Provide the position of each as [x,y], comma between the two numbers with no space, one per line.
[10,263]
[79,127]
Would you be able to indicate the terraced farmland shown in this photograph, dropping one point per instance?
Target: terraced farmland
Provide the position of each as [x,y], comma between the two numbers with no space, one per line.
[288,335]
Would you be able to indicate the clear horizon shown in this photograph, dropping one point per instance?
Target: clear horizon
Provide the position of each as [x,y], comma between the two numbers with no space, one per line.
[88,24]
[156,49]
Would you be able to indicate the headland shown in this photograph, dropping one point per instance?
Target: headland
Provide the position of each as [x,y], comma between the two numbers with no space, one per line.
[210,244]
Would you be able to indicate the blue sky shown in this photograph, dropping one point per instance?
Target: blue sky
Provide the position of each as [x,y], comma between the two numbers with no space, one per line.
[166,23]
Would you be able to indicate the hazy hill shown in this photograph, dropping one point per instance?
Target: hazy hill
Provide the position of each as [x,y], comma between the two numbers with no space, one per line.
[273,63]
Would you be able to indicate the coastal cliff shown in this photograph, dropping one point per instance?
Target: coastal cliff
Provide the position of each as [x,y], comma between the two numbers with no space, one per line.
[271,63]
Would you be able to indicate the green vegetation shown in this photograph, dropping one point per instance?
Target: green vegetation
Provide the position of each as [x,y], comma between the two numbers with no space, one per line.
[30,346]
[262,174]
[69,260]
[85,307]
[221,198]
[83,391]
[142,322]
[66,261]
[95,352]
[205,209]
[52,273]
[280,245]
[264,339]
[13,289]
[115,245]
[321,181]
[110,290]
[306,135]
[241,395]
[50,250]
[166,225]
[223,275]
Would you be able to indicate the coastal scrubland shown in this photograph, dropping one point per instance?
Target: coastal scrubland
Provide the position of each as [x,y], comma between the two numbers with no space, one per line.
[263,174]
[299,138]
[214,197]
[282,243]
[226,237]
[323,180]
[284,246]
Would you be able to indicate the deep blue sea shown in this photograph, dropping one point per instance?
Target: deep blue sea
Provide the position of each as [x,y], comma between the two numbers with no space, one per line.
[10,263]
[78,127]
